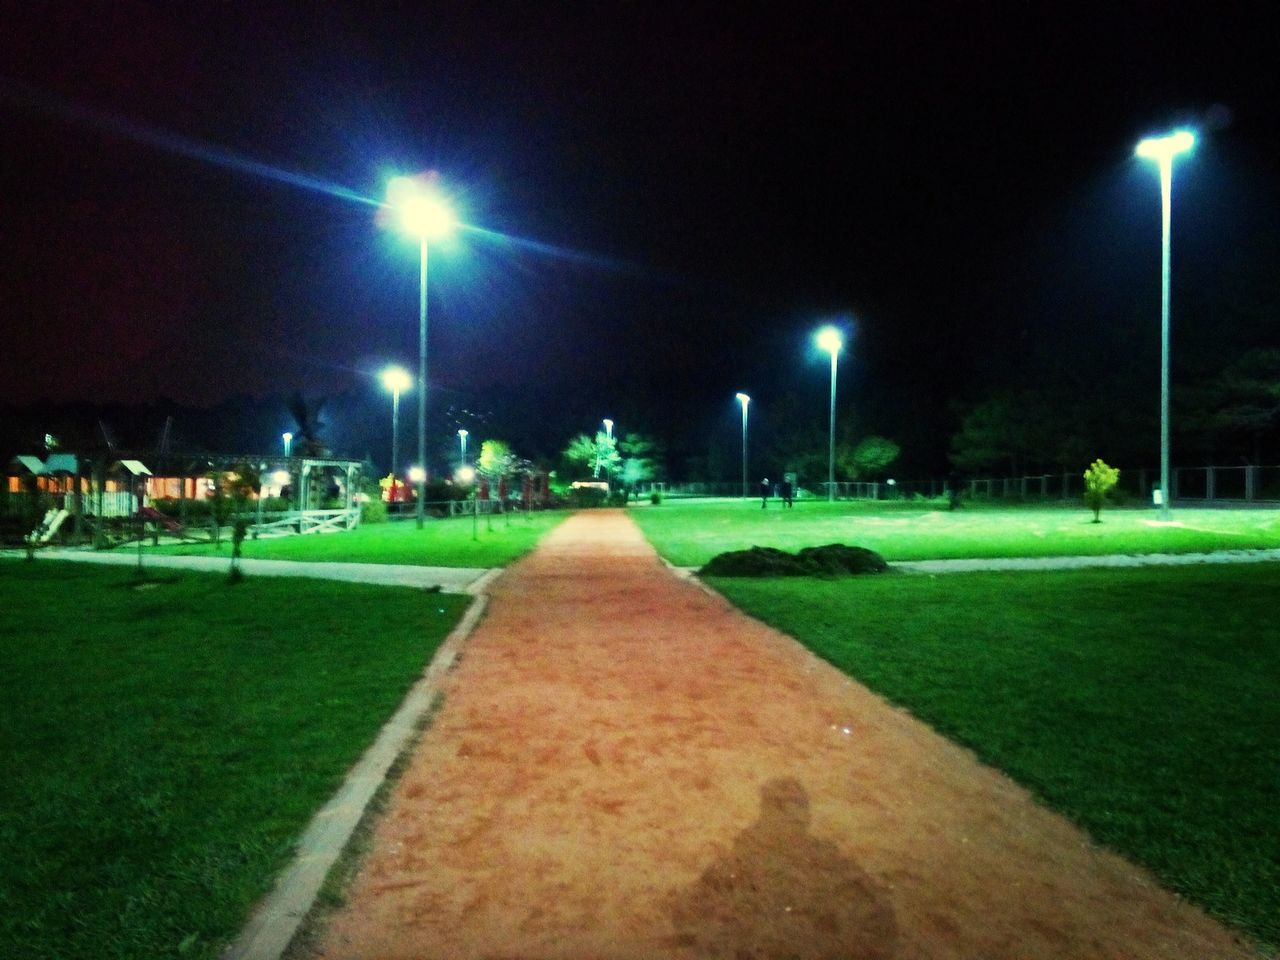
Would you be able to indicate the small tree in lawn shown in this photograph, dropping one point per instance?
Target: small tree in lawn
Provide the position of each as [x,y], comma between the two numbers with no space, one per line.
[1099,480]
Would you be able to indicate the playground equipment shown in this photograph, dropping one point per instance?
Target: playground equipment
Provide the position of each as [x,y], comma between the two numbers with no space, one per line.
[48,526]
[152,515]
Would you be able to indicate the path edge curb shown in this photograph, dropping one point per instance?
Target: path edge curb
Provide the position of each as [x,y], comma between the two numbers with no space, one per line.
[276,918]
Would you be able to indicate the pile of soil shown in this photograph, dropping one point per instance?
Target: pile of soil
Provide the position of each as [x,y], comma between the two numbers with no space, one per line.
[833,560]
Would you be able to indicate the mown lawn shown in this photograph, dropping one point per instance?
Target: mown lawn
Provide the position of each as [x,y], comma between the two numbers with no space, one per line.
[690,532]
[440,543]
[1139,702]
[162,747]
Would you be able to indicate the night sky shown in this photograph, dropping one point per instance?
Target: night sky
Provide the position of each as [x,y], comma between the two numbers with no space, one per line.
[671,199]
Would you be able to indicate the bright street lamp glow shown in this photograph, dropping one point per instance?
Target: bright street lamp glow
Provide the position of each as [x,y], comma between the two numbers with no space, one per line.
[829,339]
[743,399]
[608,427]
[464,474]
[288,442]
[423,213]
[281,478]
[1163,150]
[1159,148]
[421,210]
[463,433]
[396,379]
[417,474]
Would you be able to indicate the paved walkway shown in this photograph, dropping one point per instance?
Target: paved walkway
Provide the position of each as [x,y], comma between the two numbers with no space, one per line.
[448,579]
[624,766]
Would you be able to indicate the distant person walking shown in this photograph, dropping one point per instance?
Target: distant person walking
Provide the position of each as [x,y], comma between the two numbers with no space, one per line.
[766,490]
[787,489]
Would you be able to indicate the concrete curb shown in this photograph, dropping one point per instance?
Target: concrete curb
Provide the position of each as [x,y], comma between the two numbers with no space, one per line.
[447,579]
[277,918]
[480,587]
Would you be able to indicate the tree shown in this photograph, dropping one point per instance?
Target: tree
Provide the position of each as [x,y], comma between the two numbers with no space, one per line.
[1016,431]
[306,415]
[640,460]
[229,499]
[1099,481]
[581,452]
[607,457]
[1243,402]
[600,454]
[497,461]
[869,459]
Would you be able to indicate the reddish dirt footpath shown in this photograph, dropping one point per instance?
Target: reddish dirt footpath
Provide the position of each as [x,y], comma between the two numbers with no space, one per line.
[626,767]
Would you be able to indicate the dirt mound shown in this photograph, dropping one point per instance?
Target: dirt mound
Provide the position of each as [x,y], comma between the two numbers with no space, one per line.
[832,560]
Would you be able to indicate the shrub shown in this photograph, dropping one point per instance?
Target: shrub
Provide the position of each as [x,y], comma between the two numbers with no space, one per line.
[655,497]
[373,511]
[582,497]
[1099,481]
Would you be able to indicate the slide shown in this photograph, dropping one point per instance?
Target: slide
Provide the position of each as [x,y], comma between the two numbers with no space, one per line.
[155,516]
[48,526]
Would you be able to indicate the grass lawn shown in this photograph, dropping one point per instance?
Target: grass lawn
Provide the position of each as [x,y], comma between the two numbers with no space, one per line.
[1139,702]
[161,749]
[441,543]
[690,532]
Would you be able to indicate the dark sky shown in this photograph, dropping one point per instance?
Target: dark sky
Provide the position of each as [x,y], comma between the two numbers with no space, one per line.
[710,181]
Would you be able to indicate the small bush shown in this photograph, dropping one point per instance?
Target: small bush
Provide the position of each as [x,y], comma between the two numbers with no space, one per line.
[585,497]
[373,511]
[655,497]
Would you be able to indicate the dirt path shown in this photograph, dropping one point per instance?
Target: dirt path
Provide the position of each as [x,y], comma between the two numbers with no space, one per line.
[626,767]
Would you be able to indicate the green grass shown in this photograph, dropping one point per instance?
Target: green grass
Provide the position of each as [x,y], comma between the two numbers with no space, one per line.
[161,749]
[441,543]
[1140,702]
[689,533]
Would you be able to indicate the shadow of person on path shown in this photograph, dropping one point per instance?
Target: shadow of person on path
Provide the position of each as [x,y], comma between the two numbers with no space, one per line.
[782,894]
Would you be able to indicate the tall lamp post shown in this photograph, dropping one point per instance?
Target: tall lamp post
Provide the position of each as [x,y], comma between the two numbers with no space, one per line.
[288,443]
[608,431]
[462,442]
[395,379]
[1163,150]
[829,339]
[744,400]
[423,214]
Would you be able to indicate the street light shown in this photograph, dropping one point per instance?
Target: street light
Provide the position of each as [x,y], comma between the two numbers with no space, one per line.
[1163,150]
[395,379]
[462,440]
[288,443]
[744,400]
[608,430]
[829,339]
[424,214]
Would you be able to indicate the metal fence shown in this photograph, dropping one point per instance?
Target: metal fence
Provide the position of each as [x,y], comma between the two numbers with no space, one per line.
[1245,483]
